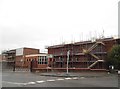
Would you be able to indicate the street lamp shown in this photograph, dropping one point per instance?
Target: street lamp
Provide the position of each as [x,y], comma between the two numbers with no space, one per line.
[68,53]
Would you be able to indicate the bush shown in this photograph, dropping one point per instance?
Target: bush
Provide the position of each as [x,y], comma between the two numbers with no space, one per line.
[114,57]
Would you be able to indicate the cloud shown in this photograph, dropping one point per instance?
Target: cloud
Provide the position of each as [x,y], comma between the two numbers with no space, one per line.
[37,23]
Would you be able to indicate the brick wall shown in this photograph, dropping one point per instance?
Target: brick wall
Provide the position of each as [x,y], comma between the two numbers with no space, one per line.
[28,51]
[19,61]
[29,59]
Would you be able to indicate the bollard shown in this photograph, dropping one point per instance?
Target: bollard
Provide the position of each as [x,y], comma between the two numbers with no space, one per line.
[119,79]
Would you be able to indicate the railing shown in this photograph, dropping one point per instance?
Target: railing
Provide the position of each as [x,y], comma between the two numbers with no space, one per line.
[15,66]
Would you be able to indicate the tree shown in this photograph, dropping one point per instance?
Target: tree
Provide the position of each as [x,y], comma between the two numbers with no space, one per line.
[114,57]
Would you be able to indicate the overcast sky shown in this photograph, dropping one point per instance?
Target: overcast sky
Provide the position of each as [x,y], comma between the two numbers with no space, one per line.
[40,23]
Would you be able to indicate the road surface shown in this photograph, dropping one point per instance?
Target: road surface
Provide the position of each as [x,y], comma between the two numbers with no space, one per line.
[27,79]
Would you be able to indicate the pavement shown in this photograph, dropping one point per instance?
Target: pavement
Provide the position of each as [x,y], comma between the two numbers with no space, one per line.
[80,74]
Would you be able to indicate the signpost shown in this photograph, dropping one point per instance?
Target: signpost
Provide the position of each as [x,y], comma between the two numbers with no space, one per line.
[68,53]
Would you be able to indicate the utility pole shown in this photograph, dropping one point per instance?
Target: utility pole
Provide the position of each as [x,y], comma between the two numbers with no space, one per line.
[68,53]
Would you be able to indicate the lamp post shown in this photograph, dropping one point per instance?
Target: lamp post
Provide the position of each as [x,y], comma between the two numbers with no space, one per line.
[68,53]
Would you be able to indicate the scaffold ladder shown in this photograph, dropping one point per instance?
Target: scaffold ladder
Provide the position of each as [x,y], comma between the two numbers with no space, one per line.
[95,63]
[93,55]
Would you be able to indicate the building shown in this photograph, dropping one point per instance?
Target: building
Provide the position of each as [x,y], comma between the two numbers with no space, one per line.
[21,54]
[39,60]
[83,55]
[18,55]
[24,56]
[9,55]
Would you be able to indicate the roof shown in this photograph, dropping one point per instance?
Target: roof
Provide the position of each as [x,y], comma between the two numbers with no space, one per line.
[9,51]
[14,50]
[34,55]
[82,42]
[27,48]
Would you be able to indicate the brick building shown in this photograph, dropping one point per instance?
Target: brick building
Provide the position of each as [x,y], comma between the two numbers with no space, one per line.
[21,54]
[9,55]
[40,60]
[23,57]
[18,55]
[86,55]
[83,55]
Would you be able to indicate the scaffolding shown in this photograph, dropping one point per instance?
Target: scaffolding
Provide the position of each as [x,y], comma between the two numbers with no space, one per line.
[77,57]
[83,55]
[89,51]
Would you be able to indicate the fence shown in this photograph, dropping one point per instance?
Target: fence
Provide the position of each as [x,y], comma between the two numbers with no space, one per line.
[14,66]
[19,65]
[7,66]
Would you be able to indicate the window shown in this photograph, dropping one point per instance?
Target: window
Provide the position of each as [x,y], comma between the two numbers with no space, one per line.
[39,61]
[42,60]
[45,57]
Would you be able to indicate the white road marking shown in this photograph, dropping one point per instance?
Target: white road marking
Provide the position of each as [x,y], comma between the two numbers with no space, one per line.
[50,80]
[68,78]
[40,81]
[31,83]
[75,78]
[60,79]
[25,84]
[82,77]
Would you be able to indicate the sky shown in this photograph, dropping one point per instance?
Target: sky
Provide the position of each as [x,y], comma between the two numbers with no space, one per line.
[42,23]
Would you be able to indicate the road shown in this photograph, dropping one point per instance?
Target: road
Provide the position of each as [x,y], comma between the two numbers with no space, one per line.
[27,79]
